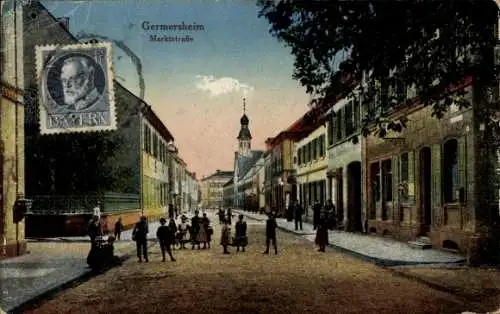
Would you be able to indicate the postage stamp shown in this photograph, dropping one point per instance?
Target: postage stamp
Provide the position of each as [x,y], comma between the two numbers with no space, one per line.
[76,88]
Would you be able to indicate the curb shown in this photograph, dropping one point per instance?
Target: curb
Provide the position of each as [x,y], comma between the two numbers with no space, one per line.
[71,283]
[377,261]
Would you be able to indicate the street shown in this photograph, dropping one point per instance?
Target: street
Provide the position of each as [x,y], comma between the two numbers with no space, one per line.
[298,280]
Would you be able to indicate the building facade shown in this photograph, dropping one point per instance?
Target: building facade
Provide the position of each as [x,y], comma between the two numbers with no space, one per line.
[12,187]
[345,177]
[311,167]
[213,189]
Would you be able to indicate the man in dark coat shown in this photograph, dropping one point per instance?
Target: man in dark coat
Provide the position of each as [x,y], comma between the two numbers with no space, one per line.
[221,216]
[229,216]
[241,234]
[165,236]
[140,236]
[94,230]
[316,214]
[298,212]
[271,226]
[330,214]
[195,229]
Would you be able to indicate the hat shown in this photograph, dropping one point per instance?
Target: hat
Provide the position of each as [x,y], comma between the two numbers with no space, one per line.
[163,220]
[183,217]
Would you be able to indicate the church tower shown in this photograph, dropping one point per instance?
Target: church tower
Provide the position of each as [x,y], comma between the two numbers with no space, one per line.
[244,137]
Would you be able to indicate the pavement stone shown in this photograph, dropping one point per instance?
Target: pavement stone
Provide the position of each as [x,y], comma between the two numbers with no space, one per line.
[27,277]
[381,250]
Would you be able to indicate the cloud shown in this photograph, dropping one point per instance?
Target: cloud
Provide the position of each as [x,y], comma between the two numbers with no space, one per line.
[220,86]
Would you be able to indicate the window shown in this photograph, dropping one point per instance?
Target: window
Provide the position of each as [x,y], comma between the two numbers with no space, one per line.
[322,146]
[309,153]
[349,127]
[375,181]
[339,125]
[403,176]
[356,114]
[299,154]
[145,137]
[330,131]
[387,180]
[315,148]
[450,171]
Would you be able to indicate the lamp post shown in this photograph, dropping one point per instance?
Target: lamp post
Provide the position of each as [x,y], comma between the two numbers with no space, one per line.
[280,194]
[172,150]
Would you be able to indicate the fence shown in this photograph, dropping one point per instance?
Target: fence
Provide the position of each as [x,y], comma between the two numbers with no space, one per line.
[82,204]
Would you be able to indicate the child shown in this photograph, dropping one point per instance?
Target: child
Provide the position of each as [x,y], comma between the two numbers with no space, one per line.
[225,235]
[165,237]
[241,234]
[183,229]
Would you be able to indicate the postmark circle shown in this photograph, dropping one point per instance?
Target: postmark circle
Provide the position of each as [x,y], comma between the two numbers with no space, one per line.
[75,82]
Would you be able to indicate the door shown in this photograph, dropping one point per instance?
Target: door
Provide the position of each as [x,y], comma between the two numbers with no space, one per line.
[425,190]
[354,196]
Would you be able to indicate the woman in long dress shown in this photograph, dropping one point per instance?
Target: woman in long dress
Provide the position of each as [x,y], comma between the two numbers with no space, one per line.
[202,236]
[225,238]
[183,230]
[322,235]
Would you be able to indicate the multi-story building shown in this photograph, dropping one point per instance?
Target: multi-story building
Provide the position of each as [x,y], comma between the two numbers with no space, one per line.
[312,163]
[126,170]
[12,242]
[345,178]
[213,188]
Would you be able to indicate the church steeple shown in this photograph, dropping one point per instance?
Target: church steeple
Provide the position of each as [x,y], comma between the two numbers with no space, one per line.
[244,137]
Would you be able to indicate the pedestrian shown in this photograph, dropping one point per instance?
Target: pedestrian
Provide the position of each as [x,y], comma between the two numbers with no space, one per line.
[241,234]
[229,216]
[170,211]
[298,212]
[193,231]
[221,216]
[173,230]
[316,214]
[208,229]
[225,238]
[182,232]
[176,210]
[271,226]
[202,236]
[94,230]
[322,235]
[118,228]
[165,237]
[140,236]
[331,215]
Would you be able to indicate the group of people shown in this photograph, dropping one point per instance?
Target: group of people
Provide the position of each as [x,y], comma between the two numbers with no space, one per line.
[173,235]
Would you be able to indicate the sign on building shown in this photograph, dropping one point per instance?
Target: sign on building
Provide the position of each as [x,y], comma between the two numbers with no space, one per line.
[76,88]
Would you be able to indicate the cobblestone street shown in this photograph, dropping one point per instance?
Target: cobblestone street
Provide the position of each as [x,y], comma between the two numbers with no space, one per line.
[298,280]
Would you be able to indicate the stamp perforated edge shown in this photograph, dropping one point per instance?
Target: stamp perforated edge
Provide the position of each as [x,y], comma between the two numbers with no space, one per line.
[39,49]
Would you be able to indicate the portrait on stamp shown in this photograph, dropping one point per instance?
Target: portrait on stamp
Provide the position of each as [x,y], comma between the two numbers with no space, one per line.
[76,85]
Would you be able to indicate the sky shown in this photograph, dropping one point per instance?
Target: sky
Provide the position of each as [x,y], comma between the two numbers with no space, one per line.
[197,87]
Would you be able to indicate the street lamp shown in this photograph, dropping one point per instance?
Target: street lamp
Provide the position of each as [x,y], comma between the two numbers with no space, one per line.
[280,197]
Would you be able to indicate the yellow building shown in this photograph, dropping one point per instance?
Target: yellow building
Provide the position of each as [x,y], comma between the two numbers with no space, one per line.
[311,167]
[12,242]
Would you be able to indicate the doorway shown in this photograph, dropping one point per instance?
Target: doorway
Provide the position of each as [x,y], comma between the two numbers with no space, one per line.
[354,196]
[425,191]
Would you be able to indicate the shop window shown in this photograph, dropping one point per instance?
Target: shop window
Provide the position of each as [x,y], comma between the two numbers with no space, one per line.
[450,171]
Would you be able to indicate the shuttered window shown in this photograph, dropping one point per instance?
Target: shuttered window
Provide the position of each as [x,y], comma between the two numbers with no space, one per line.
[462,168]
[330,131]
[436,176]
[451,177]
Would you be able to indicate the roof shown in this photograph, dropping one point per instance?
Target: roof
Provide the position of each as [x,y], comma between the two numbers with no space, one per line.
[180,161]
[228,183]
[151,116]
[219,174]
[244,133]
[245,163]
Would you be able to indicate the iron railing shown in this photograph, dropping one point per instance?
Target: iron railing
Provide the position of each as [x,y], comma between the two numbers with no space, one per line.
[82,204]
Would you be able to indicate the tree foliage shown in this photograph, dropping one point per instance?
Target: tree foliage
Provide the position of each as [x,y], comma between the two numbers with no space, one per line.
[427,45]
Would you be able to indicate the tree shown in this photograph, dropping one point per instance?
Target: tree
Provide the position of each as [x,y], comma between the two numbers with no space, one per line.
[426,45]
[431,45]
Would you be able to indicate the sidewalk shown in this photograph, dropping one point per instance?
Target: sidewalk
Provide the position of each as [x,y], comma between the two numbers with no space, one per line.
[55,263]
[383,251]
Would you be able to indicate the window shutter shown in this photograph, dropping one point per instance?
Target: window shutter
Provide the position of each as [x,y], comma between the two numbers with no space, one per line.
[462,165]
[436,183]
[395,189]
[334,130]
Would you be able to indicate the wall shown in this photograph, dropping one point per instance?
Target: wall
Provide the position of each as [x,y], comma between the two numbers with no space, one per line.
[11,133]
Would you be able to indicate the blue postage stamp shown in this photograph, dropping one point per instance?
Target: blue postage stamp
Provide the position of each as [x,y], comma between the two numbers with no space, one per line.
[76,84]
